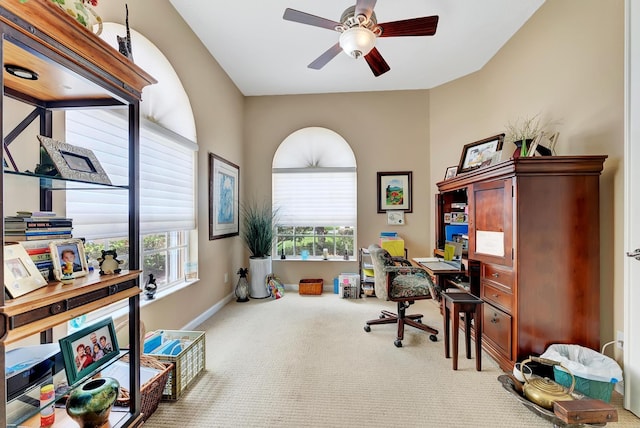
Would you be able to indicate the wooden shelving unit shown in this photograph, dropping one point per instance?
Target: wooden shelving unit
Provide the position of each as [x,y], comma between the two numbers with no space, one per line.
[76,69]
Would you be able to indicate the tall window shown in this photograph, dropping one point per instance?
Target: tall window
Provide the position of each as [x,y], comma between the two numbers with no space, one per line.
[314,191]
[167,194]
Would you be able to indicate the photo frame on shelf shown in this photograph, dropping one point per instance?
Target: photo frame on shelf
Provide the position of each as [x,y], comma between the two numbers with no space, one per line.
[479,153]
[72,162]
[224,201]
[88,349]
[394,191]
[21,275]
[68,250]
[451,172]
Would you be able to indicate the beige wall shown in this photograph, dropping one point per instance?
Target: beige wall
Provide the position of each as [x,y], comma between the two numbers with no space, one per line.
[218,109]
[387,131]
[566,63]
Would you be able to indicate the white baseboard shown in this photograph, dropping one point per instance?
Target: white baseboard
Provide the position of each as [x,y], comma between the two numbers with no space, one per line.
[208,313]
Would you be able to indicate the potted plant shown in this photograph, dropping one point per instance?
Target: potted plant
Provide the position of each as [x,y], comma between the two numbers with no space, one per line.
[522,132]
[258,221]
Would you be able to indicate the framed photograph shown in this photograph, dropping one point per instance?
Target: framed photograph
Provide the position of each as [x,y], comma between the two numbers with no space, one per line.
[88,349]
[224,201]
[68,256]
[73,162]
[394,191]
[451,172]
[21,274]
[395,217]
[475,154]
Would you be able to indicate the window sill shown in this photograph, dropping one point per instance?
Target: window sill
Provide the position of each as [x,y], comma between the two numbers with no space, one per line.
[123,311]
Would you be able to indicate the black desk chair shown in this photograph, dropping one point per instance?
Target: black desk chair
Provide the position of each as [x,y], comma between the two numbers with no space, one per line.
[397,280]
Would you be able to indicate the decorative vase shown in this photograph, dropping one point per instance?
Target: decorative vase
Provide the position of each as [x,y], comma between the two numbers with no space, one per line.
[518,151]
[242,287]
[259,268]
[82,11]
[90,404]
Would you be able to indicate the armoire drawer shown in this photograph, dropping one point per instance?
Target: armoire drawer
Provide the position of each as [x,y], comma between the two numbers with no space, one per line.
[496,326]
[497,297]
[498,274]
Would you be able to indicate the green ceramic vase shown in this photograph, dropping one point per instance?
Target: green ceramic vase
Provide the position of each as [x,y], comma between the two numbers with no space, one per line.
[90,404]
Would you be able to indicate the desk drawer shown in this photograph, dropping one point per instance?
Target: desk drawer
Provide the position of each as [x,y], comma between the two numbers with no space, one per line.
[496,326]
[497,297]
[499,275]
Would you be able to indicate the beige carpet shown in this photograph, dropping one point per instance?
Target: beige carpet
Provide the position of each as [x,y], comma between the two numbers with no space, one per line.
[305,361]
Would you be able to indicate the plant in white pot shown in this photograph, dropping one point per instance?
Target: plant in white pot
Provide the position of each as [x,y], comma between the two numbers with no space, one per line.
[258,221]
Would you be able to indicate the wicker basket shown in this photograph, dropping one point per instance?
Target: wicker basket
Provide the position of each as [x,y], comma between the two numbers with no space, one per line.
[151,391]
[310,286]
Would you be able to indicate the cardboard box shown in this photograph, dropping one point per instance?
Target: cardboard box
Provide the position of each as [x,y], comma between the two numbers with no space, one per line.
[349,286]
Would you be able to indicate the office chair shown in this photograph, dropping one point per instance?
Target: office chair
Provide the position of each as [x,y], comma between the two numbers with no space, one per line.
[398,281]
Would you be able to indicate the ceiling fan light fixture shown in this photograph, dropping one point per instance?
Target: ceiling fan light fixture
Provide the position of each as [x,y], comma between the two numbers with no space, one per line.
[357,41]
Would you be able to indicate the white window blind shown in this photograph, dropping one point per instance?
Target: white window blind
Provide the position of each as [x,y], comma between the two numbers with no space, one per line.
[167,177]
[315,196]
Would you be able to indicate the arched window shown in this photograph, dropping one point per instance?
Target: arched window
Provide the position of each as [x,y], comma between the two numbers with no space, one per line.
[314,192]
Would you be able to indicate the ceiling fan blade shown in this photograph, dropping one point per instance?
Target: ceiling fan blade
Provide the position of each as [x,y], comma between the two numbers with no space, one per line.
[425,26]
[377,64]
[323,59]
[305,18]
[365,7]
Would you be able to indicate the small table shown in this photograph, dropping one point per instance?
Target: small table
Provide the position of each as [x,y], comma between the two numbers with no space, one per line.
[455,303]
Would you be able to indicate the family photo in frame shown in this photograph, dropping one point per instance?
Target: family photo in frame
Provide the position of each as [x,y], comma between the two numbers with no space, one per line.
[88,349]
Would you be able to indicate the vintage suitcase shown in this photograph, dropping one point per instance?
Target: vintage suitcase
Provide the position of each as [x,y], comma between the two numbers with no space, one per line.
[585,411]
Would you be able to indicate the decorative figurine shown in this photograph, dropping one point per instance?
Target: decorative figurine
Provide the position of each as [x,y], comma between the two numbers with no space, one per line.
[150,287]
[67,273]
[124,43]
[109,263]
[242,287]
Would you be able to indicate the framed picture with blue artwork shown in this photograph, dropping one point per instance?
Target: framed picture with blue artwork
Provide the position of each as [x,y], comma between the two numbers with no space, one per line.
[394,191]
[224,203]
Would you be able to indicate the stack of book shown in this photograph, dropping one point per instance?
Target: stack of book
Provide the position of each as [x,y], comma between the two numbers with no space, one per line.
[32,226]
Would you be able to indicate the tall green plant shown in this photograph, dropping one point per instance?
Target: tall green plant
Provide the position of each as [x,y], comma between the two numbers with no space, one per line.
[258,221]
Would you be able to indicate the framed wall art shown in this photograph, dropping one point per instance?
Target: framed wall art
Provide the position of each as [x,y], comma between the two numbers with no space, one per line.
[72,162]
[88,349]
[68,251]
[394,191]
[479,153]
[224,201]
[21,275]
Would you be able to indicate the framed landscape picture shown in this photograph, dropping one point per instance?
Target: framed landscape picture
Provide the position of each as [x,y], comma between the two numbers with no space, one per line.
[224,203]
[394,191]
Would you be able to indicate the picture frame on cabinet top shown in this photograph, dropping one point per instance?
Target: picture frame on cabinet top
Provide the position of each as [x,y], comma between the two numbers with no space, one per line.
[480,152]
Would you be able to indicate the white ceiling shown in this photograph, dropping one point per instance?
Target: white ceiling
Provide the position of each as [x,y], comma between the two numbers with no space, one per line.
[266,55]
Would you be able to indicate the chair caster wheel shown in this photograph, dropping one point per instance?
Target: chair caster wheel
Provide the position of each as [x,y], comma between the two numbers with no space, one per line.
[433,338]
[419,320]
[367,328]
[398,343]
[381,316]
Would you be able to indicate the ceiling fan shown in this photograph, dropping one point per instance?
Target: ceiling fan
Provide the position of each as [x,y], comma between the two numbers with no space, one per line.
[359,30]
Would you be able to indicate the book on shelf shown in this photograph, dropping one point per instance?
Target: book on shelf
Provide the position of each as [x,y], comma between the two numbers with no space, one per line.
[43,231]
[42,257]
[36,225]
[36,214]
[47,237]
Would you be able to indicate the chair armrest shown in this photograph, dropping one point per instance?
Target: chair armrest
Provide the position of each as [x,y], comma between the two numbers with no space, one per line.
[401,261]
[405,270]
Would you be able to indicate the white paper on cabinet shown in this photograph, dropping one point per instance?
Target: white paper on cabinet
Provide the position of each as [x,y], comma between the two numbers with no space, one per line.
[491,243]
